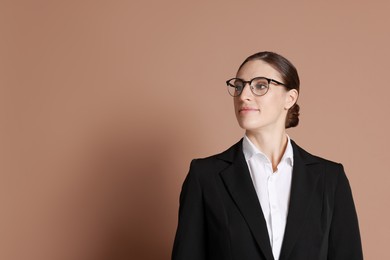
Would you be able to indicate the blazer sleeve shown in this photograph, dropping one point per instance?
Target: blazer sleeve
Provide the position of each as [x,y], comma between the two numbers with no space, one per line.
[189,241]
[344,237]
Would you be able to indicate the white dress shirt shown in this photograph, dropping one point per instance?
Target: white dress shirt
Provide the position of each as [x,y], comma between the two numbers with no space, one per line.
[272,188]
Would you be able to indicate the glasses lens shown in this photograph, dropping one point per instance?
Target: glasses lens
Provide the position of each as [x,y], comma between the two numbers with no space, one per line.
[235,87]
[259,86]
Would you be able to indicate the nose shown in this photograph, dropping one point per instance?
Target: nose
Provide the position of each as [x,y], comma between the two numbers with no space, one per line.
[246,93]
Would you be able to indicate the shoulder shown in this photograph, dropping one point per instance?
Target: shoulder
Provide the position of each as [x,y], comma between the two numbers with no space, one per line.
[217,162]
[332,170]
[310,158]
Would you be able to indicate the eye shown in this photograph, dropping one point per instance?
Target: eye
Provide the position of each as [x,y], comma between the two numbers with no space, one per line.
[238,88]
[238,85]
[260,86]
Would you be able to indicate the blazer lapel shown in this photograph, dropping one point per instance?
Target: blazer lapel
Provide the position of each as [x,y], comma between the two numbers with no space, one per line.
[303,184]
[239,184]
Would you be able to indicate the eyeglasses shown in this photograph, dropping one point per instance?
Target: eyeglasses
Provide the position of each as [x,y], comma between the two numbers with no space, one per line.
[259,85]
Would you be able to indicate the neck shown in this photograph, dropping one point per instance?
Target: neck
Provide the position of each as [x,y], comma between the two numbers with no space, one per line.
[272,144]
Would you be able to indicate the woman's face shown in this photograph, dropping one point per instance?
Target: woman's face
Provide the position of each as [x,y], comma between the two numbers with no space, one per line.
[267,112]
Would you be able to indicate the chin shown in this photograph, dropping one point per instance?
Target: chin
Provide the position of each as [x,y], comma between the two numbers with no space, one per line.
[250,126]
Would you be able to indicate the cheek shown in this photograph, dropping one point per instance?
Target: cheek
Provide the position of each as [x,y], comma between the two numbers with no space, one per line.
[277,101]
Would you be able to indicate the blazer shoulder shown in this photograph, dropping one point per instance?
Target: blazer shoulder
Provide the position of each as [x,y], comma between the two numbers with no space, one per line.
[311,158]
[228,155]
[333,170]
[217,162]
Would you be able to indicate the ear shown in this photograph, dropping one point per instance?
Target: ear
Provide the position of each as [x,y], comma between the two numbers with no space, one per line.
[291,98]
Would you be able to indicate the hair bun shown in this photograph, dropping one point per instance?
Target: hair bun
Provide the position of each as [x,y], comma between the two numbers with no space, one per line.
[292,118]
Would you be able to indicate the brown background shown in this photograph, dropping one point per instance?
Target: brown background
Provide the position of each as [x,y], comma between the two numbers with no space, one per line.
[104,104]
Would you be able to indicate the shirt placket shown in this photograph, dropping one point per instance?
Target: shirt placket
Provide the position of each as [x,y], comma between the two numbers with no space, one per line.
[274,211]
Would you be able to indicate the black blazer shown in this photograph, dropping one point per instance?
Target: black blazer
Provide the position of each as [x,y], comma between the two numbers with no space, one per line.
[220,217]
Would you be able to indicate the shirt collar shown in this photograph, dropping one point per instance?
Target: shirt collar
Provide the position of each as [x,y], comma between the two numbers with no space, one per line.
[249,150]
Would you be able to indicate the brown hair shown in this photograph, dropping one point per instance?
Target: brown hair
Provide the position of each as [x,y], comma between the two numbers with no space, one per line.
[289,75]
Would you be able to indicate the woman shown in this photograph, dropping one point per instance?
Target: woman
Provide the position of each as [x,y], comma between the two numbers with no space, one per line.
[265,197]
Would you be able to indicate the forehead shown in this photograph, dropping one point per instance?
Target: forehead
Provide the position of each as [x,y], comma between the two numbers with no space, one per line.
[258,68]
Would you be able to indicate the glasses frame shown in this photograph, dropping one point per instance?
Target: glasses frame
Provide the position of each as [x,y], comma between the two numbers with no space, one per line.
[250,85]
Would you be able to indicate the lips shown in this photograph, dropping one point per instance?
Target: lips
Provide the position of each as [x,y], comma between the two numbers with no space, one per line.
[248,109]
